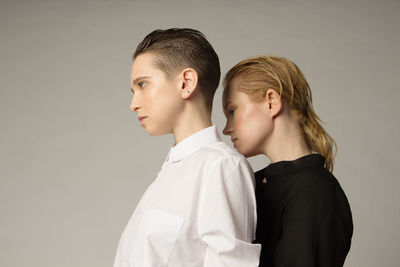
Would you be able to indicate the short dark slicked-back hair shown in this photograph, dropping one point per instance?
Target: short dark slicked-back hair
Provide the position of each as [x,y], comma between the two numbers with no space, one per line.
[176,49]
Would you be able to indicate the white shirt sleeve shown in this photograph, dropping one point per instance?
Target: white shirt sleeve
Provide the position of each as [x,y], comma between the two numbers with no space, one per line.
[227,215]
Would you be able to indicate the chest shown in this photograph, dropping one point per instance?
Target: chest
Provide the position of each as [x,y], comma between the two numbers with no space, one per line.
[175,190]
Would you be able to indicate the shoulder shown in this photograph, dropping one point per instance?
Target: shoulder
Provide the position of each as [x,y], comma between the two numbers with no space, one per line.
[318,186]
[321,194]
[316,179]
[221,162]
[219,153]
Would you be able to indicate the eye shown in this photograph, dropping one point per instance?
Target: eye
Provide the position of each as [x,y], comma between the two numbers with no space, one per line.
[231,111]
[142,84]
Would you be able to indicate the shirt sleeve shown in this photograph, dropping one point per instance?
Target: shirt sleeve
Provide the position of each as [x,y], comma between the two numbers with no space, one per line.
[313,229]
[227,215]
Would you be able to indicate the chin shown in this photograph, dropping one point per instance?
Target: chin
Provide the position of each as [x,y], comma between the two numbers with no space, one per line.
[156,132]
[247,153]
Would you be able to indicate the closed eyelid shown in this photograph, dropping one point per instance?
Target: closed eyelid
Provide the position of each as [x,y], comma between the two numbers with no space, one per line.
[230,107]
[228,112]
[231,104]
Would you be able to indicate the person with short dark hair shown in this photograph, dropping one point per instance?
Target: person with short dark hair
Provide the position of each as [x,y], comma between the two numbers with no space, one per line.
[201,208]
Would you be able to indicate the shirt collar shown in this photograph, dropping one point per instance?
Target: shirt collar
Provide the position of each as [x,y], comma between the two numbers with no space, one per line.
[192,143]
[283,168]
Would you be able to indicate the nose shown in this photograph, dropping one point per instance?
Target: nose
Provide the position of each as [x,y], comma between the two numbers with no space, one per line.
[228,129]
[134,104]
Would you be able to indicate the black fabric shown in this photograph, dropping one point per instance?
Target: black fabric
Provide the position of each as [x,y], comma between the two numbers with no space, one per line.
[304,218]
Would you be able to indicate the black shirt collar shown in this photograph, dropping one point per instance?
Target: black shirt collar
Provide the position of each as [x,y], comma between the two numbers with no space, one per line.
[284,168]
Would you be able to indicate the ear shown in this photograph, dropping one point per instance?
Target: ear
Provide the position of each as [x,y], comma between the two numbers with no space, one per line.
[274,102]
[189,82]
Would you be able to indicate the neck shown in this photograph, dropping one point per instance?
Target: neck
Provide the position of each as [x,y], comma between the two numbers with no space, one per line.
[192,120]
[287,142]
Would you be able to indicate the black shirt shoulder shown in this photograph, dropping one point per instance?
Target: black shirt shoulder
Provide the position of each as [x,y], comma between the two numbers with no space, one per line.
[304,218]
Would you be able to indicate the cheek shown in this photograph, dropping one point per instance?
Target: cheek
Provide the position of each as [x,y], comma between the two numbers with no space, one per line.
[249,121]
[164,109]
[153,101]
[253,128]
[146,102]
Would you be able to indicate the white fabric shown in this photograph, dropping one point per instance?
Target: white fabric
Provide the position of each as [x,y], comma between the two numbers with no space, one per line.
[199,211]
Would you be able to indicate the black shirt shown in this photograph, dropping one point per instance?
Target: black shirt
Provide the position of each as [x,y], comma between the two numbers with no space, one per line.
[304,218]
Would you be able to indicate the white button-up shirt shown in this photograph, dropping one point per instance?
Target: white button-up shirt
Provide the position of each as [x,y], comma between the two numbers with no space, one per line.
[199,211]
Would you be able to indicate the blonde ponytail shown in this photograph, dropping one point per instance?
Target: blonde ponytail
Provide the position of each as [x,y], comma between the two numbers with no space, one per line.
[265,72]
[317,138]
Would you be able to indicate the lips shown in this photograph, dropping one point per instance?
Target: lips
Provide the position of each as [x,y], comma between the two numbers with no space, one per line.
[141,118]
[234,139]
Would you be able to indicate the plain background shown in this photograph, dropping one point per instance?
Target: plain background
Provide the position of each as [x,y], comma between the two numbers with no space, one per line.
[74,161]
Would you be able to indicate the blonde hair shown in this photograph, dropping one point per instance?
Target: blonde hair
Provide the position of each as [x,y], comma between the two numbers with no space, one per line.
[280,74]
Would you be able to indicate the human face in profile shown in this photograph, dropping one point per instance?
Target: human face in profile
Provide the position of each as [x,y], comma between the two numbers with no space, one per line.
[248,122]
[156,97]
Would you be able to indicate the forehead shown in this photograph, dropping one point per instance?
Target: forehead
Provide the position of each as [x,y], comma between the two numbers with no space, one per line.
[143,65]
[234,91]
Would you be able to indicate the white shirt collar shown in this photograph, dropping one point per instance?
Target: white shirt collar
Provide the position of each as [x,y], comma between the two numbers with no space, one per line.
[193,142]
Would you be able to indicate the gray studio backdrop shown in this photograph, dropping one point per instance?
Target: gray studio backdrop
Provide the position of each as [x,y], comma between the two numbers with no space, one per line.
[74,161]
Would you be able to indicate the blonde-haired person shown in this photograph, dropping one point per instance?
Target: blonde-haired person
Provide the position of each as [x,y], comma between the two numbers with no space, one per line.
[304,218]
